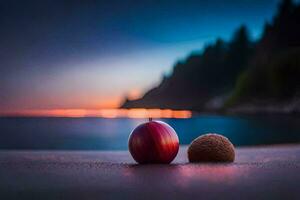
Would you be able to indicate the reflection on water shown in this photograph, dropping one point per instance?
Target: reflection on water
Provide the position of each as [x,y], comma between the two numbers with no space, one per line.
[112,134]
[104,113]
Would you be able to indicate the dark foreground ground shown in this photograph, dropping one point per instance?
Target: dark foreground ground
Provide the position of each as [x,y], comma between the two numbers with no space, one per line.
[258,173]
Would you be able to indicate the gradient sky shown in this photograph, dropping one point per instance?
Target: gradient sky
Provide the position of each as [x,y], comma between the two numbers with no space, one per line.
[90,54]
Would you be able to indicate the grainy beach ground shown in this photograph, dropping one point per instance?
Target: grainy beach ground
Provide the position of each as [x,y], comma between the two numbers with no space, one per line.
[265,172]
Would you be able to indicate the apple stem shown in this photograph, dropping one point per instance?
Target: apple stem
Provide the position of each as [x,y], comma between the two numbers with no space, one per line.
[150,119]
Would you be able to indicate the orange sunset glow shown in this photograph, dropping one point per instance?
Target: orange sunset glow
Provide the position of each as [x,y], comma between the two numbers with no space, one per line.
[104,113]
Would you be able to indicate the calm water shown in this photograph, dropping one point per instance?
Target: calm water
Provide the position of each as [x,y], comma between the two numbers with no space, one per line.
[112,134]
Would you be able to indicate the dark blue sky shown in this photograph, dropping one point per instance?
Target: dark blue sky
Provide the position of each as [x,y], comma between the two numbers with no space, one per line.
[89,54]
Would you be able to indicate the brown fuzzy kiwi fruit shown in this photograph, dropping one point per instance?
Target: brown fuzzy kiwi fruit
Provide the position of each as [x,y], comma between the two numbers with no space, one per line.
[211,148]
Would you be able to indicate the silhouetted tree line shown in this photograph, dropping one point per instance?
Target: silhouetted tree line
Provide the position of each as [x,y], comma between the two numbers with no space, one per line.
[273,73]
[237,71]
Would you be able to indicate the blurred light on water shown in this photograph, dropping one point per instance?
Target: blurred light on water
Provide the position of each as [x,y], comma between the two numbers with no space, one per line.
[104,113]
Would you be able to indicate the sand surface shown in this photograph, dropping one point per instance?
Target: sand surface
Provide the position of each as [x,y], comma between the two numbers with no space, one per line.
[258,173]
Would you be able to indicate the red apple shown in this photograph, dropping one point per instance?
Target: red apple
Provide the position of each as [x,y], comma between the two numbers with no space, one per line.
[153,142]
